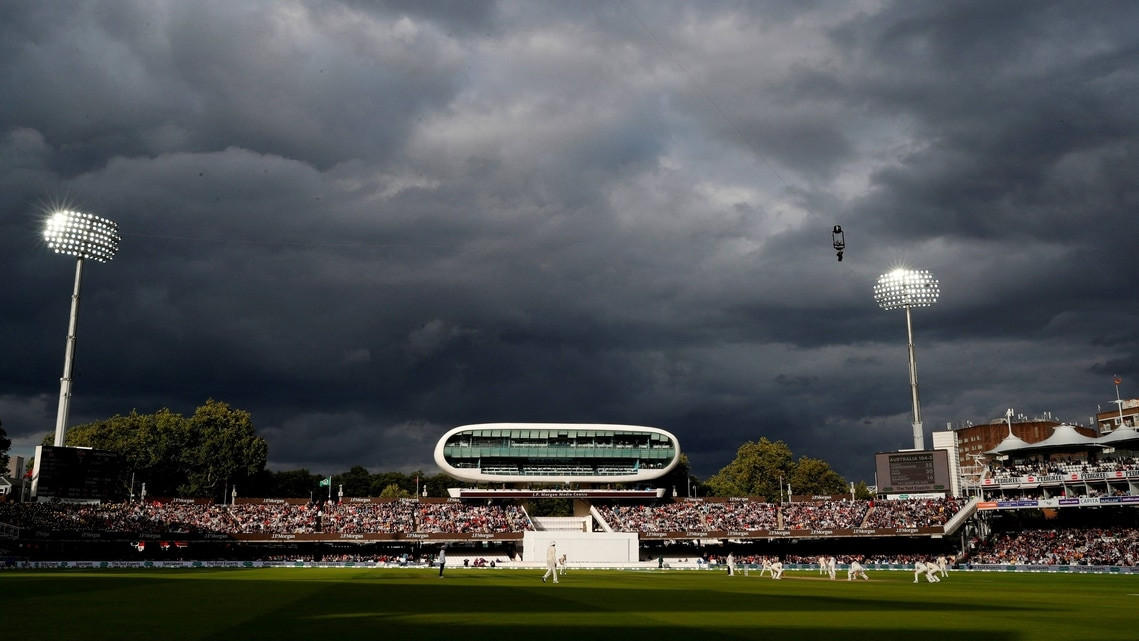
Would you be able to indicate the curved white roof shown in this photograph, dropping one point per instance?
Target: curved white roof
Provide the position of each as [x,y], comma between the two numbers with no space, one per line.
[1122,435]
[581,454]
[1010,443]
[1064,437]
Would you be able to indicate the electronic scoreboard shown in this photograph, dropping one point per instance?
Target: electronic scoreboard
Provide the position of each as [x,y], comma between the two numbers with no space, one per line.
[912,471]
[77,474]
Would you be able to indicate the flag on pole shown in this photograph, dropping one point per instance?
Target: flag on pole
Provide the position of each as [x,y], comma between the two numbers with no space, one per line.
[326,482]
[1118,380]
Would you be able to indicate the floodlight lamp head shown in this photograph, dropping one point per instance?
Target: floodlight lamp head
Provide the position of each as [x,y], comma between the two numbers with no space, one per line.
[82,235]
[904,288]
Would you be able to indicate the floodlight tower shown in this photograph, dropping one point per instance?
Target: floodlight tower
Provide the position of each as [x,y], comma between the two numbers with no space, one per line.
[83,236]
[907,288]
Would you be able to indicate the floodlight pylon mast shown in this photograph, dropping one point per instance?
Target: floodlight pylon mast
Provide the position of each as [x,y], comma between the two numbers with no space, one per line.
[68,359]
[83,236]
[904,288]
[919,434]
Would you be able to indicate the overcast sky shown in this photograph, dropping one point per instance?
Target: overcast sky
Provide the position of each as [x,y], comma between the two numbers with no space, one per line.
[369,222]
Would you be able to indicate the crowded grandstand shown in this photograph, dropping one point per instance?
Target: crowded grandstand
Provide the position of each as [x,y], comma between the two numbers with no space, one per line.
[1065,509]
[676,531]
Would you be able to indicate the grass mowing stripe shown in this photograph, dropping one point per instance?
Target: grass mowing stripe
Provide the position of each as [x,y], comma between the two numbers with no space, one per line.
[470,605]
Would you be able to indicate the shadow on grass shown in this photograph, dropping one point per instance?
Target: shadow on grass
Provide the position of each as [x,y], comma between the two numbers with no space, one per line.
[250,605]
[381,627]
[458,612]
[463,598]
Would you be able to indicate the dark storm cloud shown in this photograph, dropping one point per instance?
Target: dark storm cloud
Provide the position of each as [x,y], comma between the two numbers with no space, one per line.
[115,79]
[367,223]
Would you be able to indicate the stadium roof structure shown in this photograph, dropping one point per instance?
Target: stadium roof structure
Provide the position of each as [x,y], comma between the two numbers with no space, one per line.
[1008,444]
[1064,438]
[1123,435]
[557,453]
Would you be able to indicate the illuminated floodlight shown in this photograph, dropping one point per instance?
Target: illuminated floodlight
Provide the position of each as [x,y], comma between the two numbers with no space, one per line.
[905,289]
[84,236]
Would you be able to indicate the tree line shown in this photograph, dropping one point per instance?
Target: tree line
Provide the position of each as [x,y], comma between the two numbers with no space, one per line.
[216,450]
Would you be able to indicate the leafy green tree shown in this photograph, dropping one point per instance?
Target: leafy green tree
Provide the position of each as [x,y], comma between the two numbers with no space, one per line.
[294,484]
[760,468]
[815,476]
[756,470]
[862,491]
[174,455]
[679,479]
[394,491]
[357,481]
[381,481]
[438,484]
[150,445]
[222,448]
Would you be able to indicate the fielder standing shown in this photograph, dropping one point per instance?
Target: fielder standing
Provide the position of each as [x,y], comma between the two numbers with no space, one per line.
[551,563]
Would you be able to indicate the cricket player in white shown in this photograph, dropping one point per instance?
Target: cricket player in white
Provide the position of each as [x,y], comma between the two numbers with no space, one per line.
[822,565]
[856,571]
[831,567]
[930,570]
[551,563]
[943,566]
[777,570]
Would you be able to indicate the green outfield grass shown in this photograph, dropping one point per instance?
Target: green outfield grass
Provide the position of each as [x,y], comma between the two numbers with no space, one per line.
[476,604]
